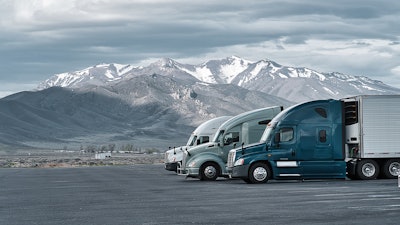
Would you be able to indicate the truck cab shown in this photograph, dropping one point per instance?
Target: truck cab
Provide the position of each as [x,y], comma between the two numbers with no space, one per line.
[302,142]
[202,134]
[208,161]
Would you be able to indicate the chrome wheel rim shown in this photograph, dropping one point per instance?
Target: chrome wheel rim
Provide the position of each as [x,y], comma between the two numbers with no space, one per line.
[368,169]
[394,168]
[210,171]
[260,174]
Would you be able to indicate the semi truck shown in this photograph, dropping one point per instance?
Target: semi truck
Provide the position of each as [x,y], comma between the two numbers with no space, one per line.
[202,134]
[208,161]
[357,137]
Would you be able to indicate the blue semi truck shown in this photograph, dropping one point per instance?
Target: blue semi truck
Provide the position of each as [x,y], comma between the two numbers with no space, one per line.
[357,137]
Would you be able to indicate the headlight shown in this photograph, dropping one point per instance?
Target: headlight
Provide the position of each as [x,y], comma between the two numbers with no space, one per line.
[239,162]
[192,164]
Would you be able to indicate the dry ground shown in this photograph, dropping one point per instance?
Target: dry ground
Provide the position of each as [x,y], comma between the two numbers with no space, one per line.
[47,158]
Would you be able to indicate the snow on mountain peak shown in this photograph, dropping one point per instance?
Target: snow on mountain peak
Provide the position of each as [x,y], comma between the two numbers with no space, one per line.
[165,62]
[204,74]
[100,73]
[263,75]
[235,66]
[219,71]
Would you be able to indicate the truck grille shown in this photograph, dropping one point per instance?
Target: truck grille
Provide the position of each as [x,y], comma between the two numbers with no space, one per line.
[182,165]
[184,159]
[231,158]
[166,157]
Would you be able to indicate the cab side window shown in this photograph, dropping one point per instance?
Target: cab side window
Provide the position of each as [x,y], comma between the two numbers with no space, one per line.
[286,134]
[202,140]
[231,137]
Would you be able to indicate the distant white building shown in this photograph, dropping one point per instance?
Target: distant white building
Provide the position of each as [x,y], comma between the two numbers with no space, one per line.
[102,155]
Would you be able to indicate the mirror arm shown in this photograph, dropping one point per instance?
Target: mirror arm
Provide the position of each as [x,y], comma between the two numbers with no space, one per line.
[243,152]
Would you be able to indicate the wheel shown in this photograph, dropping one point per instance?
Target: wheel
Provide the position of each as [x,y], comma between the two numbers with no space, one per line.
[391,168]
[209,171]
[259,173]
[367,169]
[247,180]
[353,176]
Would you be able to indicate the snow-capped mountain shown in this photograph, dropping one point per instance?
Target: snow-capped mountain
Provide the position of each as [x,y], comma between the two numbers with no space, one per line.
[295,84]
[144,110]
[303,84]
[214,71]
[96,75]
[159,105]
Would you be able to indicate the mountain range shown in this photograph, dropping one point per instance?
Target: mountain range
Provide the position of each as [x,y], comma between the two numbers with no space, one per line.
[160,104]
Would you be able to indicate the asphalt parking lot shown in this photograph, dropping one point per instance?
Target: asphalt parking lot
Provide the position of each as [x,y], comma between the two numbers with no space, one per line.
[148,194]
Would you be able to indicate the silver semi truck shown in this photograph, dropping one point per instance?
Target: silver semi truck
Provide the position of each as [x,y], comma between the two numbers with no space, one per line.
[208,161]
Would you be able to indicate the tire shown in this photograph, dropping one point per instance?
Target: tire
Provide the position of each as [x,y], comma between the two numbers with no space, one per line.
[209,171]
[247,180]
[391,168]
[352,176]
[259,173]
[367,169]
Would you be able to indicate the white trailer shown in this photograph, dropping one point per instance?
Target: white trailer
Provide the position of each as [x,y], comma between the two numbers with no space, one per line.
[372,128]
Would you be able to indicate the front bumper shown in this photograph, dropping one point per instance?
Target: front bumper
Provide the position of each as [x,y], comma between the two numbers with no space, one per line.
[239,171]
[171,166]
[189,172]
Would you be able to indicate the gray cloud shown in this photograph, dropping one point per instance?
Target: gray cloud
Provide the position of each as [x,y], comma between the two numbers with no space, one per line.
[40,38]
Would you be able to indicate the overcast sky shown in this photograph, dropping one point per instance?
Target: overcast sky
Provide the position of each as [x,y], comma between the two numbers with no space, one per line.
[39,38]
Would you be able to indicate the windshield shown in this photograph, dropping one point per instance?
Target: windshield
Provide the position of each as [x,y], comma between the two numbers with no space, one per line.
[267,133]
[271,125]
[192,140]
[219,137]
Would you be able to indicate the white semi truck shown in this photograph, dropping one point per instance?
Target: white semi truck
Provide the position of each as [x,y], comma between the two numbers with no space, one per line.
[202,134]
[208,161]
